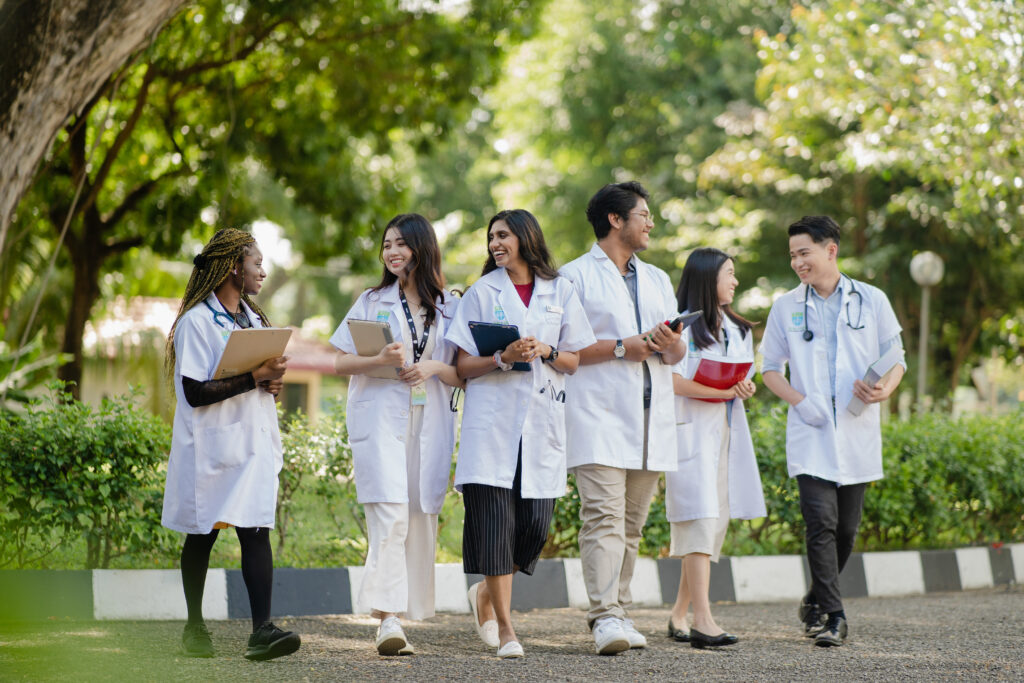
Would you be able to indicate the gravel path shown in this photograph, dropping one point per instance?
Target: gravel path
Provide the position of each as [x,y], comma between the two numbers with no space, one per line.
[970,635]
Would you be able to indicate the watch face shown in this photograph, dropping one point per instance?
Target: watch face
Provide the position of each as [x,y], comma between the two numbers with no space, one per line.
[620,350]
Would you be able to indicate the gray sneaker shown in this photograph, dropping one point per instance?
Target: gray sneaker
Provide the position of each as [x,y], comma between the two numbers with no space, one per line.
[270,642]
[195,641]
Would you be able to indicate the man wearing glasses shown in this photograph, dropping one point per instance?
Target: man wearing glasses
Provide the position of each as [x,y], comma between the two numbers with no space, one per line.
[829,329]
[619,400]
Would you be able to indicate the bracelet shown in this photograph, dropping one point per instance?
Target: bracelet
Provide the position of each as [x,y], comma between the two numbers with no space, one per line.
[505,367]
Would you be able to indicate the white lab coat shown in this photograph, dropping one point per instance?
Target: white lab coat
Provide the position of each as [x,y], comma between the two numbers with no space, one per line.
[605,420]
[377,413]
[502,407]
[691,492]
[225,457]
[848,451]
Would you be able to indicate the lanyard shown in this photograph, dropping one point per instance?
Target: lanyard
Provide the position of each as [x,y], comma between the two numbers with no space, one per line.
[417,348]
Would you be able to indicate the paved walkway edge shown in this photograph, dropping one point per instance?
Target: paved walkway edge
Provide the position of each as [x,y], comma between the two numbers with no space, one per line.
[155,594]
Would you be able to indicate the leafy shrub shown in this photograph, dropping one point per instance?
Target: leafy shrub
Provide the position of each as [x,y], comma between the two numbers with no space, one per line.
[68,471]
[318,492]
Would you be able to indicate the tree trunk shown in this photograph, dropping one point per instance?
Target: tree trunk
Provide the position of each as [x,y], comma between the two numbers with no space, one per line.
[62,51]
[85,290]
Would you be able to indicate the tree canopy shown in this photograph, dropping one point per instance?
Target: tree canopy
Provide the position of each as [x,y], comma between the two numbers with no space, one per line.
[304,113]
[901,118]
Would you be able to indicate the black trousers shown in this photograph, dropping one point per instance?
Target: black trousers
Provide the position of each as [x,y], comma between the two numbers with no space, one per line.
[502,530]
[831,514]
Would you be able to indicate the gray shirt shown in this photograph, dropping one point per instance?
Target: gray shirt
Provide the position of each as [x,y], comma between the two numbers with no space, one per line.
[630,279]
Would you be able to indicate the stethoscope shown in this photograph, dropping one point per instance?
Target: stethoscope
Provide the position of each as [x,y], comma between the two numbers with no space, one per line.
[808,335]
[220,314]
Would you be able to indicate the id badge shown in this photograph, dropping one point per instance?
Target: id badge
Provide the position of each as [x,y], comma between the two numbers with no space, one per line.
[419,395]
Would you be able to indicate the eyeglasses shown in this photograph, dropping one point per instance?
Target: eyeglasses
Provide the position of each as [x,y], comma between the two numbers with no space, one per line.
[648,218]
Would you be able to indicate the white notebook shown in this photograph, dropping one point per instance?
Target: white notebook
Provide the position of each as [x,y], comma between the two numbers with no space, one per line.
[877,371]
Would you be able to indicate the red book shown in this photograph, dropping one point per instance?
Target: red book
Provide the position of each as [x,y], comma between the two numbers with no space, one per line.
[720,373]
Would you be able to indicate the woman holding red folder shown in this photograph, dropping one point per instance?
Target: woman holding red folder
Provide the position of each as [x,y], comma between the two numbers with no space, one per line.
[717,477]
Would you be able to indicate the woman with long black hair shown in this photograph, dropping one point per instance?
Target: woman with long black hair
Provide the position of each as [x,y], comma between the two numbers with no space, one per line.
[717,477]
[511,463]
[402,430]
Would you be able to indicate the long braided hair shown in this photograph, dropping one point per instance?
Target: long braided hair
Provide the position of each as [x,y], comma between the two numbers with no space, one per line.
[223,253]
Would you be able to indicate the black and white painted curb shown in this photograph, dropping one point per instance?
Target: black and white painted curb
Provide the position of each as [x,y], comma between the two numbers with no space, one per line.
[155,594]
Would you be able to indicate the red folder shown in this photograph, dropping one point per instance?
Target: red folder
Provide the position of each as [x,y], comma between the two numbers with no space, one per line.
[720,374]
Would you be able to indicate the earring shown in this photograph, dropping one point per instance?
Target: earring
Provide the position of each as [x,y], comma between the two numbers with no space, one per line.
[234,272]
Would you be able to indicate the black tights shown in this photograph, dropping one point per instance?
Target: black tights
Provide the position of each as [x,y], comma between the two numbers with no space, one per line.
[257,571]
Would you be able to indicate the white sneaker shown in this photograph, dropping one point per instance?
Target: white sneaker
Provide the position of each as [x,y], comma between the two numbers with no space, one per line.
[609,637]
[391,638]
[510,650]
[636,639]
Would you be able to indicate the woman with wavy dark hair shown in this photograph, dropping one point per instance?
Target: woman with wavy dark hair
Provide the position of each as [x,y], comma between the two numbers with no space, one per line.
[511,463]
[400,427]
[225,447]
[717,478]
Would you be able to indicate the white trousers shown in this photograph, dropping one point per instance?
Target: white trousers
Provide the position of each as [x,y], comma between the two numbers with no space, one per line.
[402,540]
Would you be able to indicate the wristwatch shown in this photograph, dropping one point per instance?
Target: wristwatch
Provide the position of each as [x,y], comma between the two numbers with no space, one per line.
[620,350]
[551,357]
[505,367]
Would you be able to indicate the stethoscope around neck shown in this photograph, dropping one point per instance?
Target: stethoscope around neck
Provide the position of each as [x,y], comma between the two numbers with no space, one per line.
[808,335]
[220,314]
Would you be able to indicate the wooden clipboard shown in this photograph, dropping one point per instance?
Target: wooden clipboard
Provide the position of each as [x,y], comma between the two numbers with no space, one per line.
[370,336]
[248,349]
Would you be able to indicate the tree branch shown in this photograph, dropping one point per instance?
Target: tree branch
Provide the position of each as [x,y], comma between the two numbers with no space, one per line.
[137,195]
[184,74]
[122,137]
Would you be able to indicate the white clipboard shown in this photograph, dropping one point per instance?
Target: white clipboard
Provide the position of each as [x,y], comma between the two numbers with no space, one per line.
[370,336]
[248,349]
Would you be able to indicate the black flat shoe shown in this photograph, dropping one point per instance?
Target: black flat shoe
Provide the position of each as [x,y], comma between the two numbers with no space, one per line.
[700,640]
[678,634]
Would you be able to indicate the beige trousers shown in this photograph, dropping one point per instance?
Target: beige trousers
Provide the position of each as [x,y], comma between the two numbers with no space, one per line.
[613,509]
[402,542]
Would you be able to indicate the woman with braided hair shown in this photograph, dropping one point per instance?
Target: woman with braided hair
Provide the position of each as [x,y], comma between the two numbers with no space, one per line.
[226,447]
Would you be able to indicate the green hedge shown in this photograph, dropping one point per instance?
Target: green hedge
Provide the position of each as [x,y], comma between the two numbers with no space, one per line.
[72,476]
[83,487]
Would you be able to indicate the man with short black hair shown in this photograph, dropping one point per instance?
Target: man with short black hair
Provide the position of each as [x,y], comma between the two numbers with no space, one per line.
[829,329]
[619,401]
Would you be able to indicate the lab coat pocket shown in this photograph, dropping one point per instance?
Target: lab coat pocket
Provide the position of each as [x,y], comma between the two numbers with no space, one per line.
[359,419]
[223,448]
[556,426]
[684,441]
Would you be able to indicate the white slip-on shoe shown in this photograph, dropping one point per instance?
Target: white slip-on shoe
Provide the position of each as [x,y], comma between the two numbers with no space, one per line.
[488,631]
[510,650]
[609,637]
[390,637]
[635,638]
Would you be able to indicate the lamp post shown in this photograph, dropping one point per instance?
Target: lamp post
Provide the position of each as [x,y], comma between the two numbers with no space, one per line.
[926,268]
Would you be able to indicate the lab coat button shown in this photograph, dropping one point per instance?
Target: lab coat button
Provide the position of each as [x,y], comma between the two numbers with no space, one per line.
[405,413]
[263,429]
[401,438]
